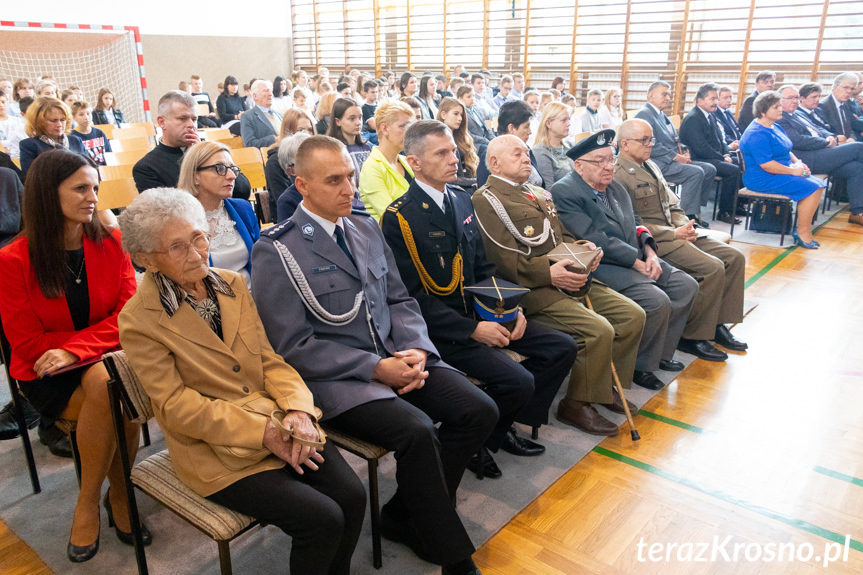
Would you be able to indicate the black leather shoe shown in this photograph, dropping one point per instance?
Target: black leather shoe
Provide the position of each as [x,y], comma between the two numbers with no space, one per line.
[81,553]
[699,223]
[702,349]
[57,441]
[489,468]
[728,218]
[670,365]
[402,531]
[726,339]
[647,380]
[8,424]
[466,567]
[124,537]
[516,445]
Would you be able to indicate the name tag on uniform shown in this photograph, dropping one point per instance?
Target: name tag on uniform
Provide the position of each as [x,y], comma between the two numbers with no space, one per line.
[437,234]
[642,185]
[324,269]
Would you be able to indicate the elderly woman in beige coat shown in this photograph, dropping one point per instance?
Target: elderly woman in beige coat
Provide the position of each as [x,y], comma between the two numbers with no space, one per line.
[240,423]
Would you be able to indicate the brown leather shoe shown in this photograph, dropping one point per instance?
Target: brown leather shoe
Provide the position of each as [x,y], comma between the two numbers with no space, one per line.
[856,219]
[616,406]
[584,416]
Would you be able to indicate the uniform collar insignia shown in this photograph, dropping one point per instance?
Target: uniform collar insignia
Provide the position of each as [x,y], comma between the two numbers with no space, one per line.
[309,230]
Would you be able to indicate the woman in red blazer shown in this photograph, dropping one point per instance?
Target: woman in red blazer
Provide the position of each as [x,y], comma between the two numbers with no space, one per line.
[65,280]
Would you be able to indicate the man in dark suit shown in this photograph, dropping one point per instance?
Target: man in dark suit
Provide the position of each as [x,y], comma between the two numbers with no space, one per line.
[809,112]
[856,110]
[835,108]
[592,206]
[819,151]
[764,82]
[695,178]
[439,221]
[700,131]
[730,130]
[332,301]
[260,125]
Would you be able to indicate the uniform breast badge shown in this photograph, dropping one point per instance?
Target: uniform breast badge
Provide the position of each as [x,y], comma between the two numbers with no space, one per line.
[528,231]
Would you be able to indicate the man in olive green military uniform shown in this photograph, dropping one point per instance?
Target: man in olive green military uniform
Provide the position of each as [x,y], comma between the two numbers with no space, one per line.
[718,267]
[520,226]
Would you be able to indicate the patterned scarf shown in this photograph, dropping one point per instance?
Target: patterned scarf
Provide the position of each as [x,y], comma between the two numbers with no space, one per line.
[171,296]
[63,144]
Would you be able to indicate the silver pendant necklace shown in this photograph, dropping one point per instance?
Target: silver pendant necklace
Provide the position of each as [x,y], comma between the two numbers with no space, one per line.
[80,271]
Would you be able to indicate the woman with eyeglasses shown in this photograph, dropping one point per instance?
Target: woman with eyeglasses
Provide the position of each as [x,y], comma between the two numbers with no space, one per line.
[208,173]
[65,280]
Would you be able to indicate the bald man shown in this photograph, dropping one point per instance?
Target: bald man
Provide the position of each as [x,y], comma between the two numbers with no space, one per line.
[718,267]
[520,227]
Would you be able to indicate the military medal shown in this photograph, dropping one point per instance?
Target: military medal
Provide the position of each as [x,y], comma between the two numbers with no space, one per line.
[552,211]
[528,231]
[425,206]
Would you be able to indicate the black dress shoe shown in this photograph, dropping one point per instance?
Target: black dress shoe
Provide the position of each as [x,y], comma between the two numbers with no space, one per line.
[401,530]
[647,380]
[8,424]
[670,365]
[489,468]
[516,445]
[57,441]
[728,218]
[702,349]
[81,553]
[465,567]
[726,339]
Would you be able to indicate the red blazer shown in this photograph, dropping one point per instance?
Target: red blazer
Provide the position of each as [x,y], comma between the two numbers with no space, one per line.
[34,324]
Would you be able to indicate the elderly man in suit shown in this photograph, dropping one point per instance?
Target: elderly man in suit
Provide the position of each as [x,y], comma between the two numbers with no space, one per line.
[718,267]
[730,130]
[260,125]
[818,150]
[764,82]
[334,306]
[520,227]
[434,237]
[695,178]
[835,109]
[592,206]
[700,131]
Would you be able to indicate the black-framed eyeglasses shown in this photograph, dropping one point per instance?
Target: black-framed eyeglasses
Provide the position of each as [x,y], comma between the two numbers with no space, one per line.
[221,169]
[647,140]
[180,251]
[600,163]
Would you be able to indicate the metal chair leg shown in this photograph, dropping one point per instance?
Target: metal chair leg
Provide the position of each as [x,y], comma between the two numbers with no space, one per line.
[534,432]
[225,557]
[76,455]
[18,408]
[375,512]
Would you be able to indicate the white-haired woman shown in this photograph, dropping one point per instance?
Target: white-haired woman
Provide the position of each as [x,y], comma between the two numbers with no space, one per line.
[240,423]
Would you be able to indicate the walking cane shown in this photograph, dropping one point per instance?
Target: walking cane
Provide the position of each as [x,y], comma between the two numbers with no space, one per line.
[632,431]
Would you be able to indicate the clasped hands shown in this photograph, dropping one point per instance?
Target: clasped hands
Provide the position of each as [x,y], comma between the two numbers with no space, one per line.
[650,266]
[293,452]
[562,278]
[494,334]
[404,372]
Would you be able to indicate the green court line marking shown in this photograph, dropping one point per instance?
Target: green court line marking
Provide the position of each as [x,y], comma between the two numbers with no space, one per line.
[796,523]
[840,476]
[670,421]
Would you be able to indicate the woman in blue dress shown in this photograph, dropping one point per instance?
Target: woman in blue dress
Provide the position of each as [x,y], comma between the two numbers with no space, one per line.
[771,167]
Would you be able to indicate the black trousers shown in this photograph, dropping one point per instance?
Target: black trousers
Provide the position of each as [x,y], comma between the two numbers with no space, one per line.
[429,462]
[321,510]
[730,184]
[845,161]
[522,391]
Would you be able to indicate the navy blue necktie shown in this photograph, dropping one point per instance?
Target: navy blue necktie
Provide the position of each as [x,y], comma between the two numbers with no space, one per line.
[340,239]
[733,123]
[711,119]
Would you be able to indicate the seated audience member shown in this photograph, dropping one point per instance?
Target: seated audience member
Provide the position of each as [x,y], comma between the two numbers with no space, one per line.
[104,112]
[22,88]
[695,178]
[7,88]
[373,384]
[428,97]
[515,119]
[454,84]
[414,104]
[569,101]
[476,124]
[343,90]
[346,127]
[324,112]
[386,175]
[96,143]
[552,163]
[11,127]
[764,82]
[301,99]
[278,179]
[532,99]
[211,120]
[808,110]
[370,105]
[592,206]
[772,168]
[700,132]
[522,392]
[441,87]
[281,95]
[590,119]
[718,267]
[835,109]
[484,105]
[545,99]
[49,125]
[853,104]
[220,88]
[46,89]
[57,313]
[183,86]
[68,97]
[408,85]
[247,95]
[289,199]
[260,125]
[519,253]
[559,84]
[611,114]
[505,94]
[208,173]
[818,149]
[231,105]
[518,86]
[452,113]
[730,131]
[195,340]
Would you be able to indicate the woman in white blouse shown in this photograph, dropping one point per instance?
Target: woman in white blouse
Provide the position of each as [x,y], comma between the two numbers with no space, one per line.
[610,114]
[208,173]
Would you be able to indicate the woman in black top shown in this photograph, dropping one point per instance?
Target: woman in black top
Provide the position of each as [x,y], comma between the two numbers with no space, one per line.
[230,104]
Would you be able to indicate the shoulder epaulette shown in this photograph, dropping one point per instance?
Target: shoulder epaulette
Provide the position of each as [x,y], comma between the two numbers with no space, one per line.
[396,205]
[278,229]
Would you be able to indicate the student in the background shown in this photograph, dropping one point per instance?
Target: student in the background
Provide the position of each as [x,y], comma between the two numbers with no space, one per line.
[95,141]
